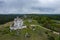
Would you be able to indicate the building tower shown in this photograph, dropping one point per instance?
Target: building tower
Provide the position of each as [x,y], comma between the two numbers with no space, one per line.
[17,24]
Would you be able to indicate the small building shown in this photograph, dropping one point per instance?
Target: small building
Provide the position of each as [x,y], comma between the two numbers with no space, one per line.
[17,24]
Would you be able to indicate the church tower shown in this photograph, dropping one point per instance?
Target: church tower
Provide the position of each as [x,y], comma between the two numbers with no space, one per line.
[17,24]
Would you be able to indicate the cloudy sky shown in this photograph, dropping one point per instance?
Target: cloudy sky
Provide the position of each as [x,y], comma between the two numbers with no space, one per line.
[29,6]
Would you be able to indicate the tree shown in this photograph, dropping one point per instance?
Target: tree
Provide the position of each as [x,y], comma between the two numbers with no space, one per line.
[51,38]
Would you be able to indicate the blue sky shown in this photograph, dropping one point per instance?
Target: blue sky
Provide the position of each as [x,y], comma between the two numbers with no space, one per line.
[29,6]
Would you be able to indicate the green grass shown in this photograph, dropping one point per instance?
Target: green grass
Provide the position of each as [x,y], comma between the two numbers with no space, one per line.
[40,33]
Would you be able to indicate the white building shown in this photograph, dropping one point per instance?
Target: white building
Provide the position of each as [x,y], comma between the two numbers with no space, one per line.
[17,24]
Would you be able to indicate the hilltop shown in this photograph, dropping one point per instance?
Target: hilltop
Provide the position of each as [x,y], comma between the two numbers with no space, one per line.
[40,33]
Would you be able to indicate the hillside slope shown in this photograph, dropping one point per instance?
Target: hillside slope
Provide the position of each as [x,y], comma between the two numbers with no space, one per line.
[40,33]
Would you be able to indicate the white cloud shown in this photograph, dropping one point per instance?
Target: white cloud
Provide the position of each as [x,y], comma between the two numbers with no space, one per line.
[29,6]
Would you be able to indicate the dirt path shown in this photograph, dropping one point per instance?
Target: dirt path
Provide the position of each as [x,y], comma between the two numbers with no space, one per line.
[47,29]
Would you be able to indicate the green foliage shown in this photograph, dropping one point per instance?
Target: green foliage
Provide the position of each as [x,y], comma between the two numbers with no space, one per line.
[4,31]
[51,38]
[39,34]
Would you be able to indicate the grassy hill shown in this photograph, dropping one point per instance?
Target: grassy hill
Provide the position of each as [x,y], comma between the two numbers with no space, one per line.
[47,27]
[40,33]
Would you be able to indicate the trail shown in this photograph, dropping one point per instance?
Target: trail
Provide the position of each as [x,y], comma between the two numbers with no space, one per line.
[48,29]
